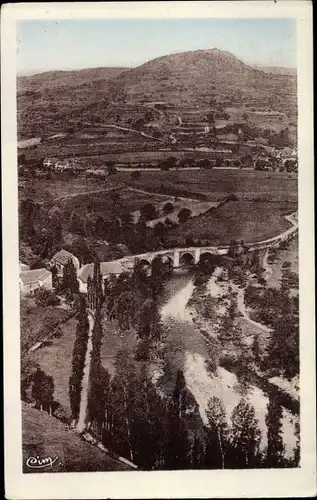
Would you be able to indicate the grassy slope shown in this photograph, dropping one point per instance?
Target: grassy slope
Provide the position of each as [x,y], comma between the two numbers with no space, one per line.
[46,436]
[239,220]
[34,319]
[107,206]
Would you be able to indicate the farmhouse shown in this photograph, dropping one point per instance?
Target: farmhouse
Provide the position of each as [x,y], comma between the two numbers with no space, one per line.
[63,165]
[106,268]
[35,279]
[49,162]
[61,258]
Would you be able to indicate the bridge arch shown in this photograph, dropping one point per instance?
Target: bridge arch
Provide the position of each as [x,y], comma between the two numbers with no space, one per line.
[210,258]
[187,259]
[144,262]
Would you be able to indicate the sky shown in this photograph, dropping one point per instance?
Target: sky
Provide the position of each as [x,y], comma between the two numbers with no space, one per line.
[75,44]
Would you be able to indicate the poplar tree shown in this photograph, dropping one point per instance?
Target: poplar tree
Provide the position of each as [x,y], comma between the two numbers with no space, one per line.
[246,435]
[275,445]
[78,359]
[177,454]
[70,282]
[218,433]
[197,453]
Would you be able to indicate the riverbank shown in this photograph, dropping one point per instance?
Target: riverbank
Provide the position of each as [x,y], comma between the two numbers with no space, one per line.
[187,350]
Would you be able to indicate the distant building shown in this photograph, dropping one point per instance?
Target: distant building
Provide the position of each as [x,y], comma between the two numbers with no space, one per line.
[106,268]
[49,162]
[23,267]
[32,280]
[61,258]
[63,165]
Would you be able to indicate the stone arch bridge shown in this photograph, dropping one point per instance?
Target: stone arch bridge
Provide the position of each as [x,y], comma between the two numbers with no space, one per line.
[191,255]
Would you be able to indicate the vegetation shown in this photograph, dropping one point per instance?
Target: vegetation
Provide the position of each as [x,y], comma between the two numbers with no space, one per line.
[78,359]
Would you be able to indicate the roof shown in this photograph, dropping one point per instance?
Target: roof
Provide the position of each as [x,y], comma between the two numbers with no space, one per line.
[105,268]
[44,435]
[34,275]
[24,267]
[63,256]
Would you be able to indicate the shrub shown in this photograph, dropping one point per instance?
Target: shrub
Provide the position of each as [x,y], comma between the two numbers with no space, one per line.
[168,208]
[183,215]
[135,175]
[45,298]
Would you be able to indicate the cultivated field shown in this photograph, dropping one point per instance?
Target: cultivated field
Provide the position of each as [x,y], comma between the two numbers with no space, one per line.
[215,184]
[60,186]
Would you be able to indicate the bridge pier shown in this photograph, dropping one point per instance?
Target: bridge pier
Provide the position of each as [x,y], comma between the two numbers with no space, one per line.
[197,255]
[176,259]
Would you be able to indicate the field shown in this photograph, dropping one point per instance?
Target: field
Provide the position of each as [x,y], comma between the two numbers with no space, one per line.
[34,320]
[55,359]
[240,220]
[215,184]
[59,186]
[109,204]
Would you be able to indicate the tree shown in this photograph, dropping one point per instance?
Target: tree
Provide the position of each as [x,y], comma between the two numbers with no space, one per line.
[233,249]
[159,229]
[76,224]
[246,435]
[94,288]
[69,281]
[78,359]
[43,390]
[177,453]
[28,369]
[256,349]
[197,453]
[96,396]
[179,394]
[100,228]
[148,212]
[114,230]
[158,275]
[183,215]
[274,424]
[168,208]
[168,163]
[135,175]
[111,167]
[218,432]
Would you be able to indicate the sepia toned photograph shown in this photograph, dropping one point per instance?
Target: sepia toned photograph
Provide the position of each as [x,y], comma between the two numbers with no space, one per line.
[158,244]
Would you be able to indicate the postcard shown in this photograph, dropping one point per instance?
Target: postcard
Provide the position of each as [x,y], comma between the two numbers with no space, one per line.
[158,250]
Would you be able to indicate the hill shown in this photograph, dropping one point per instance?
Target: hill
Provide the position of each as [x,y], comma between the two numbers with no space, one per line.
[195,82]
[203,74]
[45,436]
[277,70]
[57,79]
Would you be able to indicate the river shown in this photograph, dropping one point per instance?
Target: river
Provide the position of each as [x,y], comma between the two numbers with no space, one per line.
[186,350]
